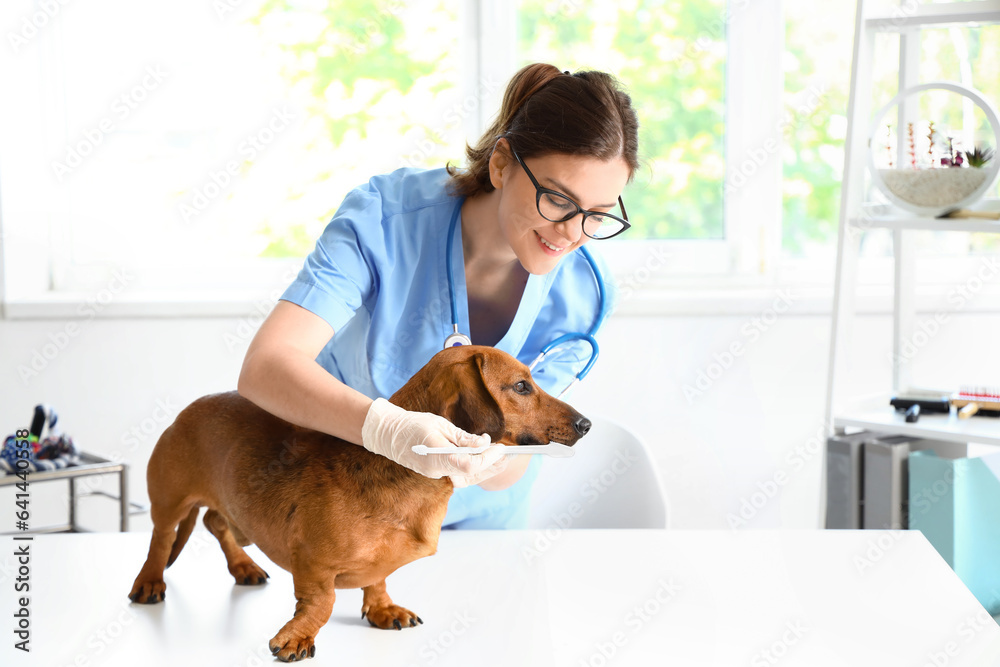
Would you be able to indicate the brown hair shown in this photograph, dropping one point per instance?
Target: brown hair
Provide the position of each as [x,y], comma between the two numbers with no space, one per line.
[547,111]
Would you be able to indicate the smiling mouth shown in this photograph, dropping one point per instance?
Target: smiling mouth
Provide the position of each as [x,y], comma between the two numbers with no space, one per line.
[548,245]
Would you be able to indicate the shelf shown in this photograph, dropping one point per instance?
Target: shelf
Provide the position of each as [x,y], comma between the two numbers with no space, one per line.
[949,428]
[932,224]
[887,216]
[934,15]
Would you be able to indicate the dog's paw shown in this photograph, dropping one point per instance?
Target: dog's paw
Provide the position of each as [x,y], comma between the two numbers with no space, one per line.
[249,574]
[148,592]
[391,617]
[291,648]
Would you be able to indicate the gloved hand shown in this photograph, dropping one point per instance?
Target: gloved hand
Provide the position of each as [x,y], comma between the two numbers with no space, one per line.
[391,431]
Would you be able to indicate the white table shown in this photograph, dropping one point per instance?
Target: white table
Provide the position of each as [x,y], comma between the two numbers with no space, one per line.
[575,598]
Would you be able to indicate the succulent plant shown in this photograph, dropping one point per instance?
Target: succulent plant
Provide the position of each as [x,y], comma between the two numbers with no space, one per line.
[979,156]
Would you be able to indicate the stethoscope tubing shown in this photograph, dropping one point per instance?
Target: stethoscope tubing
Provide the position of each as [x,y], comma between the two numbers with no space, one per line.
[457,338]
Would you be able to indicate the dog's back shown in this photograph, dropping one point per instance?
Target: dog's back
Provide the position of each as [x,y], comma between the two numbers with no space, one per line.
[277,483]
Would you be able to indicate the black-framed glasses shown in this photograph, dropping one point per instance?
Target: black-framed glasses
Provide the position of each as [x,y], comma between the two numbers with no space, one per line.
[557,207]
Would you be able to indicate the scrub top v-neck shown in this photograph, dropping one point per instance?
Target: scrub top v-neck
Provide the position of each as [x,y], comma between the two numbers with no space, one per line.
[527,309]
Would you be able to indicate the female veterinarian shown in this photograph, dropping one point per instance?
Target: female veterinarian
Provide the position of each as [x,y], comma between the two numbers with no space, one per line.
[374,300]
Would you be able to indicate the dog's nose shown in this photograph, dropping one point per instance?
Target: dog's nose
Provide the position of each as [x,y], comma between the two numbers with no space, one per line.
[581,426]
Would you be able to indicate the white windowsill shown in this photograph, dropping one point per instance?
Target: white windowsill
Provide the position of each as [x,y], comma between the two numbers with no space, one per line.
[76,305]
[663,300]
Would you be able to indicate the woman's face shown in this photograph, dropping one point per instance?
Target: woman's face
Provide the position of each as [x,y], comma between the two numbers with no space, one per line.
[539,243]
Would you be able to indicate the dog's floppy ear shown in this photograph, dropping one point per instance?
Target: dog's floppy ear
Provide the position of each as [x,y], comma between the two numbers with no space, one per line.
[474,408]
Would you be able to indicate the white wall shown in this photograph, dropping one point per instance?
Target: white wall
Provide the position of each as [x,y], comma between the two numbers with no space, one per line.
[119,382]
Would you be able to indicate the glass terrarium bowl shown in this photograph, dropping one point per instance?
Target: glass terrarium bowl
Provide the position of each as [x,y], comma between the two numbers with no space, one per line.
[933,190]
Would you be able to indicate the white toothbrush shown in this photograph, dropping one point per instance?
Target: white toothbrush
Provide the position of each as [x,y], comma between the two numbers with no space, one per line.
[553,449]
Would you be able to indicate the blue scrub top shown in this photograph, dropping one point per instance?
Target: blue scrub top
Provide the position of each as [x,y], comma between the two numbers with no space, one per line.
[378,276]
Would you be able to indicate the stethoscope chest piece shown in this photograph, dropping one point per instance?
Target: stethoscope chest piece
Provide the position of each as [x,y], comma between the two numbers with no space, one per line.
[456,339]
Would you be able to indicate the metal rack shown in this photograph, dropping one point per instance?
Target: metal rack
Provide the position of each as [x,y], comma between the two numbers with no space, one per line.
[90,465]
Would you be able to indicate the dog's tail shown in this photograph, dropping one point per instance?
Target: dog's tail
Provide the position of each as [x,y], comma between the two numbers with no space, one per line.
[184,529]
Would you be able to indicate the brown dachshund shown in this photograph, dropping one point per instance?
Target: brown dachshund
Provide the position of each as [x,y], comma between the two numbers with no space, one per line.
[330,512]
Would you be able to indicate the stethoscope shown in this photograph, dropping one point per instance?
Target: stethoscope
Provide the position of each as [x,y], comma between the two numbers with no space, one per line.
[457,338]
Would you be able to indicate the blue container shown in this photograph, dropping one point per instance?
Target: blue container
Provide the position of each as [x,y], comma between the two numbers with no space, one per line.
[955,503]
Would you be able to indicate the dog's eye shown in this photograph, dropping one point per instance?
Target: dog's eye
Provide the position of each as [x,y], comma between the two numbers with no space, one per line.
[522,387]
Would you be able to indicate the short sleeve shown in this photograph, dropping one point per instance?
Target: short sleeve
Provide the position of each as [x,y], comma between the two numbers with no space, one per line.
[341,273]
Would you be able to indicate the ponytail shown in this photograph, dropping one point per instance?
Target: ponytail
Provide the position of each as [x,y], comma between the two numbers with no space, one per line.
[545,110]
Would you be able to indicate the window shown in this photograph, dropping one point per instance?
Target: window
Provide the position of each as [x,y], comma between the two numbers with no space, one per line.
[202,146]
[672,58]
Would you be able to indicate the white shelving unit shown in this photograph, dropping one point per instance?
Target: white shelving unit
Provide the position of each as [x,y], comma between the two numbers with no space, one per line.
[907,20]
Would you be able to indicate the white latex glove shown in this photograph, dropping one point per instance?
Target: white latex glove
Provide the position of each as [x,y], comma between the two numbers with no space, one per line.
[391,431]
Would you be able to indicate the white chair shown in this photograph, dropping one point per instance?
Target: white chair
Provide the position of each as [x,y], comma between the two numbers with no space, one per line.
[611,482]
